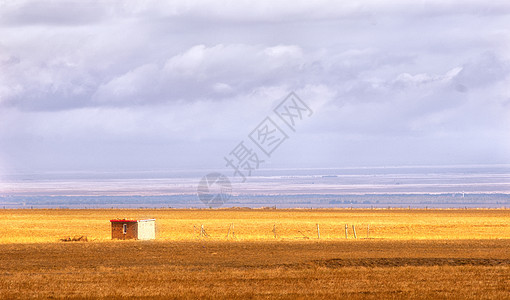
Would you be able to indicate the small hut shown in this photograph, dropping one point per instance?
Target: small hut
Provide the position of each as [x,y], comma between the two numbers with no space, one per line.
[124,229]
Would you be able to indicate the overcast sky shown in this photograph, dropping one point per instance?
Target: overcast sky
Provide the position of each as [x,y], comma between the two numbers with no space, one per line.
[141,85]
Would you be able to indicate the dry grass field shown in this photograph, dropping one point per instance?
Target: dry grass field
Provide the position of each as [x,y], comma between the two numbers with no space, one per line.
[40,225]
[409,254]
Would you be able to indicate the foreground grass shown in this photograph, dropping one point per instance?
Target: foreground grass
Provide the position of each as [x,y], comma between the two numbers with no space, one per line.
[475,269]
[39,225]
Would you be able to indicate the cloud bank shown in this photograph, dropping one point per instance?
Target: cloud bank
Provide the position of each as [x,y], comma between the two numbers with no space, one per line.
[139,86]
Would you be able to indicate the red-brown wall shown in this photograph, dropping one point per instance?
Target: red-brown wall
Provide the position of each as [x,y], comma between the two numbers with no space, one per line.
[117,230]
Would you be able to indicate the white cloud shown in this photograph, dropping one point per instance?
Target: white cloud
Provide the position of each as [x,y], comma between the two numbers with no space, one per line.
[284,51]
[424,78]
[135,86]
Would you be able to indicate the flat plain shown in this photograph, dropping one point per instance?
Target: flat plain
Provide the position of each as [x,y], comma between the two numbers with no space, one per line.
[272,254]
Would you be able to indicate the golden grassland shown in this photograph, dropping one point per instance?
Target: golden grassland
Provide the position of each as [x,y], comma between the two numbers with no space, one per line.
[41,225]
[410,254]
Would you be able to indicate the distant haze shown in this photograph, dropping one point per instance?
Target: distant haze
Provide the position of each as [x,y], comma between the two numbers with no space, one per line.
[130,85]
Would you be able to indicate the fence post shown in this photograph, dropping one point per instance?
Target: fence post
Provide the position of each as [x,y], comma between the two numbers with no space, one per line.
[318,231]
[346,227]
[368,231]
[354,229]
[231,231]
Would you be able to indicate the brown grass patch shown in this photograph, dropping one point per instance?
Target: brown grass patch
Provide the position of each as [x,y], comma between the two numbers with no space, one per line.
[359,269]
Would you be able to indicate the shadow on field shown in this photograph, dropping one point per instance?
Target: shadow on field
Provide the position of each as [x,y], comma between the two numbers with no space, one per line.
[415,262]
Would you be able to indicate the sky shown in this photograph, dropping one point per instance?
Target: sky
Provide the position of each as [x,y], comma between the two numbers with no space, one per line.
[90,86]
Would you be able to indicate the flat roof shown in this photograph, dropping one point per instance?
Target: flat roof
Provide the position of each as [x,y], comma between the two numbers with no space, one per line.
[131,220]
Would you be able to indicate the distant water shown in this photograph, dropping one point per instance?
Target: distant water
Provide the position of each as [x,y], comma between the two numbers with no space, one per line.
[417,186]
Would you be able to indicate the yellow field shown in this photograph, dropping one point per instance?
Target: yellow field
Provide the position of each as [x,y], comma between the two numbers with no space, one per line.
[34,226]
[419,254]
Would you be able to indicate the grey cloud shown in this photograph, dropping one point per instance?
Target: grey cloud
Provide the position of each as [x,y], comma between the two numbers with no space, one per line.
[283,11]
[117,76]
[44,87]
[53,13]
[203,72]
[146,79]
[485,69]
